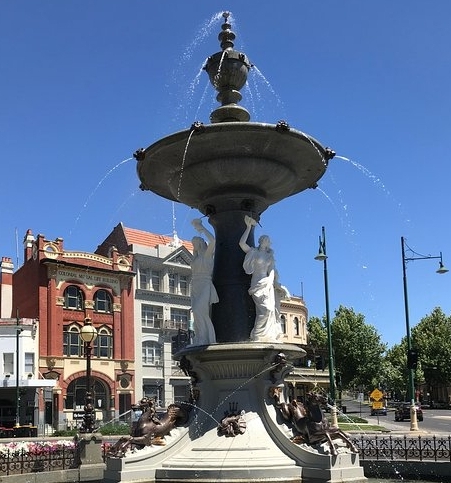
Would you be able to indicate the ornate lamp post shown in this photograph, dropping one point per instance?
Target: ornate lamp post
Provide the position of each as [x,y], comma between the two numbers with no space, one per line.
[18,332]
[88,334]
[322,257]
[411,354]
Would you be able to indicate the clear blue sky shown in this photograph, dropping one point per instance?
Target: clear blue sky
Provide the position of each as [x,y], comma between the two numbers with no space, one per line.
[85,84]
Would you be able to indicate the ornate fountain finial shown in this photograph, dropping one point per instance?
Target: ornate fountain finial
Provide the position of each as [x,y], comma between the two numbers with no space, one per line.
[228,72]
[226,37]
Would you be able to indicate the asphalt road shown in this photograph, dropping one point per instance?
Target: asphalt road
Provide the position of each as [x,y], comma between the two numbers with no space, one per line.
[435,421]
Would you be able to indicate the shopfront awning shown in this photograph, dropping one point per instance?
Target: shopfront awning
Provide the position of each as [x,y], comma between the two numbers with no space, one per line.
[10,382]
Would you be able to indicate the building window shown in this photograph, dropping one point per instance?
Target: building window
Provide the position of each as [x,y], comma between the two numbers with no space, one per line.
[184,285]
[73,298]
[151,316]
[151,353]
[29,363]
[283,324]
[76,394]
[155,392]
[181,393]
[149,279]
[103,344]
[296,326]
[8,362]
[144,279]
[172,283]
[72,344]
[178,284]
[179,318]
[102,301]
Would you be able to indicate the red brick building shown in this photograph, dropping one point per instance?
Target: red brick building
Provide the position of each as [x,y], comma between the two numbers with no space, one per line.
[61,288]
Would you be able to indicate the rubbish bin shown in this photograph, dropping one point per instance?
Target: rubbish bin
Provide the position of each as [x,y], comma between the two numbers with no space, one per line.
[344,409]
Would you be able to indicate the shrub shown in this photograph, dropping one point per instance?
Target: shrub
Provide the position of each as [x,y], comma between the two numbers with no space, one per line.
[114,428]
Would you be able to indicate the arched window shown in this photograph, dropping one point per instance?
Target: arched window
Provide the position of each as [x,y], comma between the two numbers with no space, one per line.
[72,343]
[103,344]
[73,298]
[297,329]
[102,301]
[151,352]
[283,324]
[76,394]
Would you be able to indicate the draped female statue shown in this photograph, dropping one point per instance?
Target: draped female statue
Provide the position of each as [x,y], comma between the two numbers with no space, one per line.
[203,292]
[259,262]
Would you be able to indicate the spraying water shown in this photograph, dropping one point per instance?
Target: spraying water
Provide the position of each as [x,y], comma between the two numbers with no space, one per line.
[93,192]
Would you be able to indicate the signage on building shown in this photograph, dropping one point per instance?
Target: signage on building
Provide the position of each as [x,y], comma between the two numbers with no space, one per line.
[63,275]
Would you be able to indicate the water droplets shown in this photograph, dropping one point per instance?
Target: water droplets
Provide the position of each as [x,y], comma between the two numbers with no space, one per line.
[93,192]
[183,164]
[377,181]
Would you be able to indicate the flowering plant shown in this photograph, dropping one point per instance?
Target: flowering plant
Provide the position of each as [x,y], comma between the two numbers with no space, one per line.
[17,448]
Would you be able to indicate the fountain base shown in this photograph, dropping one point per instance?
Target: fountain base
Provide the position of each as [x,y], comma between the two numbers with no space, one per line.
[235,380]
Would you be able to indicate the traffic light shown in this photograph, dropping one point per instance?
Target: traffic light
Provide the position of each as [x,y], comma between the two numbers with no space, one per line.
[179,341]
[319,362]
[338,379]
[412,358]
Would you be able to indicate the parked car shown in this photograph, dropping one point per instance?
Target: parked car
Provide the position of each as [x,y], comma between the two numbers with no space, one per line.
[403,412]
[379,411]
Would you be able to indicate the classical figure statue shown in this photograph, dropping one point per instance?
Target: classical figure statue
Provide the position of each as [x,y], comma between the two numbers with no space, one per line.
[259,262]
[203,292]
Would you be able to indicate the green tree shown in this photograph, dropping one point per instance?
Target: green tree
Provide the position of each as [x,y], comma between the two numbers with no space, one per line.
[317,333]
[397,372]
[432,337]
[359,351]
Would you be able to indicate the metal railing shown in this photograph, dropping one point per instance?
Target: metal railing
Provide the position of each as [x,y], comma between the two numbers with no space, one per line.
[39,459]
[397,448]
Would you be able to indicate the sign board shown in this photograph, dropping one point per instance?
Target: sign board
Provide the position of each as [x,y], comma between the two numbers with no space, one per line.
[377,405]
[360,397]
[376,395]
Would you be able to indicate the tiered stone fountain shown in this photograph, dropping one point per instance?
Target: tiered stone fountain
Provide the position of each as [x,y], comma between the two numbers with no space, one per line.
[228,169]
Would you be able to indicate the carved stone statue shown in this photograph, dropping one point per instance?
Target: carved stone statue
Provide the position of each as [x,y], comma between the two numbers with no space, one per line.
[203,292]
[259,262]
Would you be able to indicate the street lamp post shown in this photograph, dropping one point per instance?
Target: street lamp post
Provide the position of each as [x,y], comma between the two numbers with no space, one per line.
[441,270]
[322,257]
[18,332]
[88,334]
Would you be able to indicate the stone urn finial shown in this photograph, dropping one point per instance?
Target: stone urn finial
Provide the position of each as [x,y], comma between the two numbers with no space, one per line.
[228,72]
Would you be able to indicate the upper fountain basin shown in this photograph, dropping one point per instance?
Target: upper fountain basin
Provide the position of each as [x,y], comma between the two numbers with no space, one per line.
[232,165]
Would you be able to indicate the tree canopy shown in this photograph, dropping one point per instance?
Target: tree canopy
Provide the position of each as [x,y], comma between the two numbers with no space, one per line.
[364,361]
[359,351]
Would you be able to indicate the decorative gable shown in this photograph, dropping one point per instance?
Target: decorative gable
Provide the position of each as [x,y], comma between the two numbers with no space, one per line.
[181,257]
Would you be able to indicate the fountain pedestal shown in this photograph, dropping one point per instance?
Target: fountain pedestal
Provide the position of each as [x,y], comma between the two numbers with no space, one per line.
[232,378]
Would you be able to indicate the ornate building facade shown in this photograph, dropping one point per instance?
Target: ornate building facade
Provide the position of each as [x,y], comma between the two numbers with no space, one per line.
[60,289]
[162,309]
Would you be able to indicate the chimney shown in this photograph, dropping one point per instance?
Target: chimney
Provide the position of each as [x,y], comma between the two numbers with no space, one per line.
[6,287]
[28,243]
